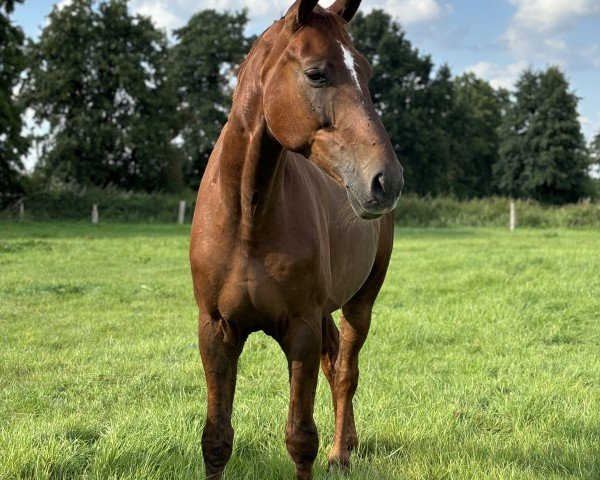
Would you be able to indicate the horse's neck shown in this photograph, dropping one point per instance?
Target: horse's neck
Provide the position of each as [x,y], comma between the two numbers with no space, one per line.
[252,162]
[251,168]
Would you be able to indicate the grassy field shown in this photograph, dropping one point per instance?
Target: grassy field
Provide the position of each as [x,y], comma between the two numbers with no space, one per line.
[483,360]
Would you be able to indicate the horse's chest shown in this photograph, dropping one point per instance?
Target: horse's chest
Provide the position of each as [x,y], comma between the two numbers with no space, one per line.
[270,283]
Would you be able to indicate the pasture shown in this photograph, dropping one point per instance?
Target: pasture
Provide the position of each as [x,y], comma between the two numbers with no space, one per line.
[483,360]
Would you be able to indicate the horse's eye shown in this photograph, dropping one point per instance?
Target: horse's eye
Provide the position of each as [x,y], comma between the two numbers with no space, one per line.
[316,77]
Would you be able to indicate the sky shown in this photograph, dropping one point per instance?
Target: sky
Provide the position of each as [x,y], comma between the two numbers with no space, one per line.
[495,39]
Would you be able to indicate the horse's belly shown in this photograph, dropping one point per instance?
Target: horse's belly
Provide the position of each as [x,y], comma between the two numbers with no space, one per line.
[352,259]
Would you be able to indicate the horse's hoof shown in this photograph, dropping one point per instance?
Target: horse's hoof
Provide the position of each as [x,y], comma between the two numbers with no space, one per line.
[338,463]
[352,442]
[214,475]
[303,474]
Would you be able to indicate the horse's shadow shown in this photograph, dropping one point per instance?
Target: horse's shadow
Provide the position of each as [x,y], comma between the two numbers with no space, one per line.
[254,460]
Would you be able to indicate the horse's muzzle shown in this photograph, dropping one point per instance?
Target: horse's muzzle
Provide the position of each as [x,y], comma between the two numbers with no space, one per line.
[381,194]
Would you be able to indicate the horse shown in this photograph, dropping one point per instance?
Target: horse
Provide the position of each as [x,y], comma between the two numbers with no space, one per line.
[293,221]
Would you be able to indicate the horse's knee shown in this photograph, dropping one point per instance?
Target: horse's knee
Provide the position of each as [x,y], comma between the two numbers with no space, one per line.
[217,445]
[302,443]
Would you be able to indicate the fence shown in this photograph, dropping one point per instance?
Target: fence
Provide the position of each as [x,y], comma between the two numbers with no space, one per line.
[412,211]
[110,206]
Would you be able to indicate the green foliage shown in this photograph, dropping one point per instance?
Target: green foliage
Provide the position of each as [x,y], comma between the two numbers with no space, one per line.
[127,111]
[442,129]
[98,77]
[542,151]
[114,205]
[12,144]
[474,127]
[594,166]
[413,211]
[595,151]
[203,61]
[412,103]
[482,364]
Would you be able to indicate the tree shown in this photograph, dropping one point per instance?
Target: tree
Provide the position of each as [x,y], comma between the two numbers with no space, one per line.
[594,151]
[207,53]
[594,166]
[13,145]
[99,78]
[414,105]
[542,149]
[474,132]
[399,74]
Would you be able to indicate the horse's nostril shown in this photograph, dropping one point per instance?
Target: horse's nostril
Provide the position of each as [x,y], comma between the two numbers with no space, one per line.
[378,187]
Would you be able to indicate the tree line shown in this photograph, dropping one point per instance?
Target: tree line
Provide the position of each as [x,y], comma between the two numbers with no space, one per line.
[120,105]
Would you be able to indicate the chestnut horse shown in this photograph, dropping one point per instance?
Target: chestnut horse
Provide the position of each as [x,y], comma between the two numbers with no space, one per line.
[293,221]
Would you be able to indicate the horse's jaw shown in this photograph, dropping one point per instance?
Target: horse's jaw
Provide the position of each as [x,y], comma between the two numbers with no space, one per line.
[361,211]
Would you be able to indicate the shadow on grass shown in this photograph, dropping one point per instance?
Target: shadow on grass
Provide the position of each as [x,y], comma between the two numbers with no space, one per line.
[82,443]
[556,461]
[253,459]
[562,458]
[386,447]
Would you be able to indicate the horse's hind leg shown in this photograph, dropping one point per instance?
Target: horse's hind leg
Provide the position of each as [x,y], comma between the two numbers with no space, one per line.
[220,348]
[329,356]
[302,347]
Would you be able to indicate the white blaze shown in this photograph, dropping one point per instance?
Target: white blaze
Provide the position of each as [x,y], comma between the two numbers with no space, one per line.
[349,62]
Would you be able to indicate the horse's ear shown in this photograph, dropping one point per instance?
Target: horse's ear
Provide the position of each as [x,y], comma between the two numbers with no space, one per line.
[299,13]
[345,8]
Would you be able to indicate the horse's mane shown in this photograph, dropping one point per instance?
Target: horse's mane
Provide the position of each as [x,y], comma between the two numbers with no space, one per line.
[244,64]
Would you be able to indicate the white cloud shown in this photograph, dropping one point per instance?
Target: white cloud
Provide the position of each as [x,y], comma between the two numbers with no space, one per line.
[538,29]
[409,12]
[498,75]
[553,16]
[63,3]
[175,13]
[159,12]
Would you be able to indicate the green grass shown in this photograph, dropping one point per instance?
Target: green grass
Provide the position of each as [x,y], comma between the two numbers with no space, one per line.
[483,360]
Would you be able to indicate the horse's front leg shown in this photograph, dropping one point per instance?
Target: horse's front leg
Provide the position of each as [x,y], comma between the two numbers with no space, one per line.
[329,354]
[302,347]
[220,348]
[354,327]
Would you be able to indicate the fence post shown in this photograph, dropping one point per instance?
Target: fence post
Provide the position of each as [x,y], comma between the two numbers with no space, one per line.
[181,215]
[21,211]
[513,216]
[95,214]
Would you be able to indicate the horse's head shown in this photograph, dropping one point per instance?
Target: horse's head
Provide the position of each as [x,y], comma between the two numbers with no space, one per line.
[316,101]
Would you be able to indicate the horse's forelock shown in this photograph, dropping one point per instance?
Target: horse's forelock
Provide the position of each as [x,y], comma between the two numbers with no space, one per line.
[325,20]
[320,18]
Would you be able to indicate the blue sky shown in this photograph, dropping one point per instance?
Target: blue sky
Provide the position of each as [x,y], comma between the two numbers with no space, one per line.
[496,39]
